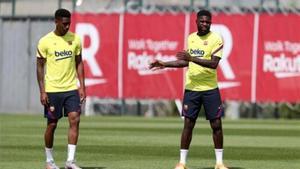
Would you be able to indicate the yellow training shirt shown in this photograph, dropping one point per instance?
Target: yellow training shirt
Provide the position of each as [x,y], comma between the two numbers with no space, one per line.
[59,52]
[199,78]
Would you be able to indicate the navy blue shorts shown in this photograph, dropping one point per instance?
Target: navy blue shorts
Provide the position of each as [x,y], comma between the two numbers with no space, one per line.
[62,103]
[211,101]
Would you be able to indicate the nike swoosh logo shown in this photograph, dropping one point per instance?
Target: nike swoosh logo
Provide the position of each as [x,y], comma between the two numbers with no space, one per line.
[94,81]
[281,75]
[225,85]
[150,72]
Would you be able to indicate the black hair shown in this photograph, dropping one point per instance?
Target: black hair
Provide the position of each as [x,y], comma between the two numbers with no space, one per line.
[204,12]
[62,13]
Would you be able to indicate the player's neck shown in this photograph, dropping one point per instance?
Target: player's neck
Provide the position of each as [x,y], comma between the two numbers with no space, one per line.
[56,32]
[202,34]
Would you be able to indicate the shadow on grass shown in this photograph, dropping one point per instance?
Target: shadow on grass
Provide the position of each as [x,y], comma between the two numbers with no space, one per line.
[229,167]
[90,168]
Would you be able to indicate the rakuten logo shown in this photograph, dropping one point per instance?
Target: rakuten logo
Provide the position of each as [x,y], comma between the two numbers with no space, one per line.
[89,53]
[224,64]
[282,66]
[63,53]
[140,62]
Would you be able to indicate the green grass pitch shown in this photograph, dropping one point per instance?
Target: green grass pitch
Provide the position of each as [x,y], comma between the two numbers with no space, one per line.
[150,143]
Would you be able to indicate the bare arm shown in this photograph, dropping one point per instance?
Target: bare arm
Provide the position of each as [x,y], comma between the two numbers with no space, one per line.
[212,63]
[176,64]
[80,76]
[40,66]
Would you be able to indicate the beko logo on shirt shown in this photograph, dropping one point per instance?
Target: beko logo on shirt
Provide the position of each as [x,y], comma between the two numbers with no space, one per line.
[196,52]
[63,53]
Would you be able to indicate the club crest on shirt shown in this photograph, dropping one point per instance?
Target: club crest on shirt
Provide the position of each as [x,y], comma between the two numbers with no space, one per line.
[69,42]
[205,43]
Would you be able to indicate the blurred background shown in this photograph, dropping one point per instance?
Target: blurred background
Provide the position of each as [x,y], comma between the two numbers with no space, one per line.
[259,73]
[25,8]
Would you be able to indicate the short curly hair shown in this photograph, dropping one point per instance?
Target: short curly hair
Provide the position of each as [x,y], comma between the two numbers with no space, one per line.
[62,13]
[204,12]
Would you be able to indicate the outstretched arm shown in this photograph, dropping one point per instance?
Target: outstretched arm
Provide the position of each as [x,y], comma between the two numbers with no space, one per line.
[80,76]
[40,72]
[212,63]
[161,65]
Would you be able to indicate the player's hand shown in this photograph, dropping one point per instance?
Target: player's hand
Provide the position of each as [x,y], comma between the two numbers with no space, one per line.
[82,95]
[44,98]
[156,65]
[183,55]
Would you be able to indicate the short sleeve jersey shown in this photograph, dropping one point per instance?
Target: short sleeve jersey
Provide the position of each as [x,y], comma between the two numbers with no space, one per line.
[59,52]
[200,78]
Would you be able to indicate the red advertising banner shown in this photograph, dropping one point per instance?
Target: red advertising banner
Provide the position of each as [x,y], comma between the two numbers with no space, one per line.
[147,38]
[234,70]
[117,50]
[99,34]
[278,62]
